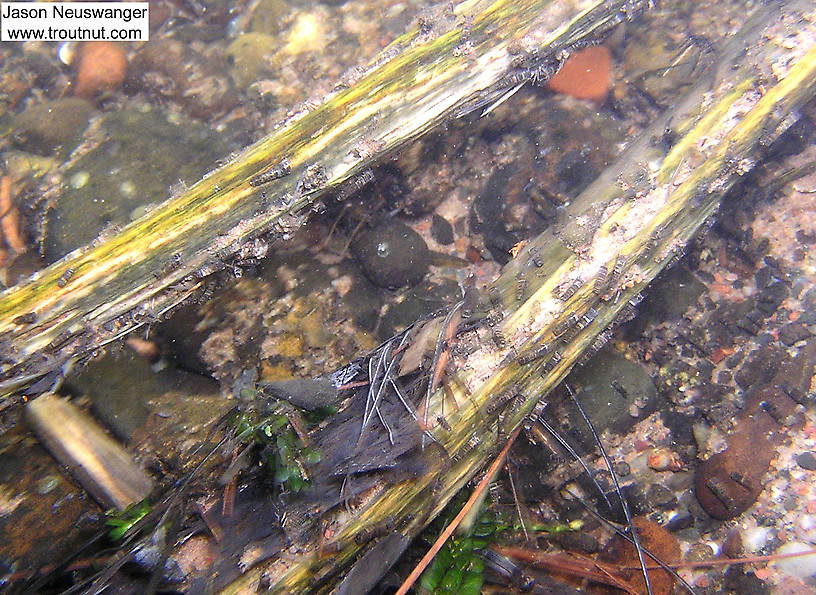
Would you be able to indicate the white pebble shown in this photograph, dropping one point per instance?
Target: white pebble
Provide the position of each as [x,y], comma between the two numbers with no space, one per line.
[755,539]
[79,179]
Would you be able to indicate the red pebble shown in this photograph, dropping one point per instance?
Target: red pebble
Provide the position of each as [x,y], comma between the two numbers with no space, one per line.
[587,74]
[101,66]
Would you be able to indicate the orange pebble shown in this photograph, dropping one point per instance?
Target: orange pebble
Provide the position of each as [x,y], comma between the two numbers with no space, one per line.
[720,354]
[587,74]
[762,573]
[101,66]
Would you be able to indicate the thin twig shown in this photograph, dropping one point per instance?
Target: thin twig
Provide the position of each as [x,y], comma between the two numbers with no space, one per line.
[624,503]
[448,531]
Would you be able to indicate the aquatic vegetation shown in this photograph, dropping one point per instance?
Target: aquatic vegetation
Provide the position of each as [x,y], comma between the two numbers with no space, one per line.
[458,568]
[124,521]
[280,437]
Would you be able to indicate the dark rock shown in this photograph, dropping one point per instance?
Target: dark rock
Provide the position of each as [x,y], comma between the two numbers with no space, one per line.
[760,367]
[765,339]
[364,301]
[392,255]
[734,360]
[578,542]
[680,425]
[441,230]
[771,297]
[46,127]
[806,238]
[807,460]
[607,387]
[502,212]
[674,293]
[732,546]
[793,333]
[660,496]
[724,377]
[794,140]
[679,522]
[738,581]
[808,317]
[420,301]
[144,155]
[763,277]
[306,393]
[622,469]
[121,386]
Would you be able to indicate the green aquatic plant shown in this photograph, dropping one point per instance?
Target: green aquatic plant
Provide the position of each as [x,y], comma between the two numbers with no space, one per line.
[279,435]
[122,522]
[458,568]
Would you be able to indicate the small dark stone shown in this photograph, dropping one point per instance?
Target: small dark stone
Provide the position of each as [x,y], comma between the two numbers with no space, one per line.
[724,377]
[793,333]
[732,546]
[771,297]
[763,277]
[747,583]
[47,126]
[441,230]
[760,367]
[660,496]
[705,368]
[622,469]
[307,393]
[806,460]
[734,360]
[580,542]
[392,255]
[681,521]
[765,339]
[806,238]
[763,246]
[808,317]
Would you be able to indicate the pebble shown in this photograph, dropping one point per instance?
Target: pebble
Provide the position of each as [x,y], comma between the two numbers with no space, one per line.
[101,66]
[755,539]
[806,460]
[392,255]
[441,230]
[587,74]
[50,125]
[664,459]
